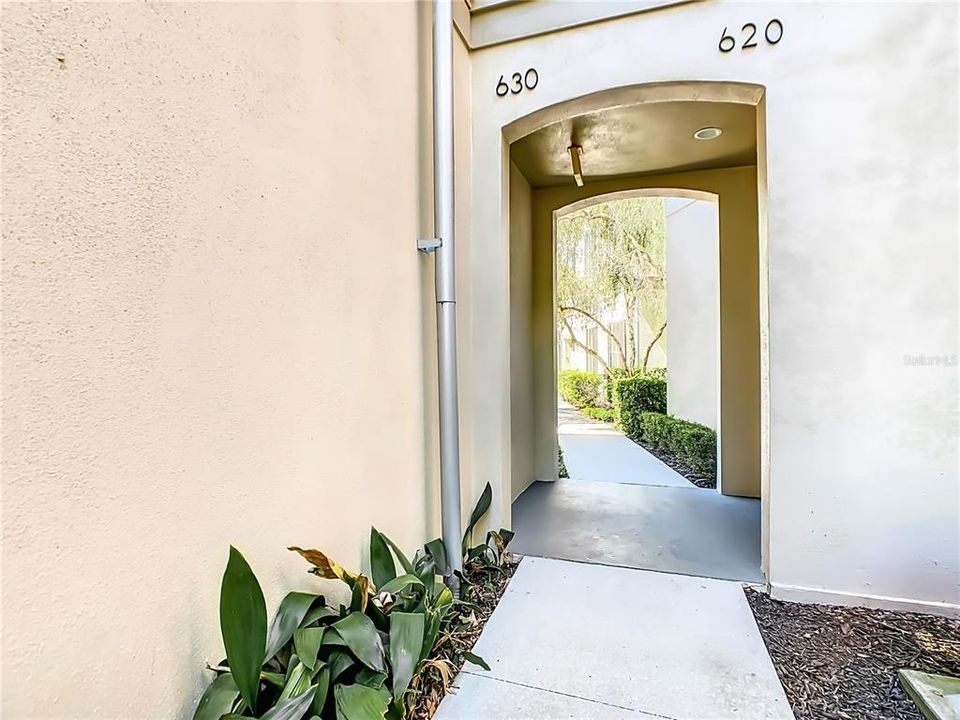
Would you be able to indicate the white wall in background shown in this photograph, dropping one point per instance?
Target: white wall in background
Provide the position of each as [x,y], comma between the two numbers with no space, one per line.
[693,297]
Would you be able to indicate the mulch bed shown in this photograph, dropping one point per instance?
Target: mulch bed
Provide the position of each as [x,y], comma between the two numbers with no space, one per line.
[841,662]
[698,479]
[433,682]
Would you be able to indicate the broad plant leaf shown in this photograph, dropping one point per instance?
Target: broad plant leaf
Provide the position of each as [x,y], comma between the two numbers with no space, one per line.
[323,687]
[362,638]
[371,678]
[324,566]
[431,632]
[442,595]
[360,594]
[382,567]
[399,583]
[292,708]
[333,639]
[406,646]
[438,554]
[401,558]
[317,612]
[274,678]
[307,643]
[243,624]
[479,551]
[339,661]
[396,711]
[375,613]
[298,681]
[293,609]
[476,660]
[217,699]
[483,504]
[358,702]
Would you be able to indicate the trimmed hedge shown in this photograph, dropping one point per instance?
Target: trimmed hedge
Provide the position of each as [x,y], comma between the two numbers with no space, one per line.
[693,444]
[604,414]
[580,389]
[635,395]
[613,374]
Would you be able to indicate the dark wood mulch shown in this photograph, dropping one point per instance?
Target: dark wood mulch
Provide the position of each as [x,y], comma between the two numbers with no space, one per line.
[697,478]
[463,630]
[841,662]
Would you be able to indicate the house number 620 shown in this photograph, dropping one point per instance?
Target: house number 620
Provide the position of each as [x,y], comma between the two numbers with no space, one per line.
[772,33]
[518,83]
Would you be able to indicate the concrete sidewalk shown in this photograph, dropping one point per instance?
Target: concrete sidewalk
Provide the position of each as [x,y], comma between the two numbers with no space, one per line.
[590,642]
[594,450]
[685,530]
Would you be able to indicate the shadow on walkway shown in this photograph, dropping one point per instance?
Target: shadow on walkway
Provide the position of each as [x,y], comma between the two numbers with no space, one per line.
[623,506]
[686,530]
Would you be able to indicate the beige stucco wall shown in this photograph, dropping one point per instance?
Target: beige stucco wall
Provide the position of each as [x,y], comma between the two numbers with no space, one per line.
[212,326]
[522,428]
[860,439]
[693,309]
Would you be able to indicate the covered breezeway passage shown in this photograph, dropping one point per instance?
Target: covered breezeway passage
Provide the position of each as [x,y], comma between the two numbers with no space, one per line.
[638,141]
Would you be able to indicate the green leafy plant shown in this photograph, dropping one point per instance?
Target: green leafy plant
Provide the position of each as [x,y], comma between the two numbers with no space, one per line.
[355,662]
[635,395]
[489,557]
[603,414]
[581,389]
[350,663]
[487,568]
[611,376]
[277,673]
[693,444]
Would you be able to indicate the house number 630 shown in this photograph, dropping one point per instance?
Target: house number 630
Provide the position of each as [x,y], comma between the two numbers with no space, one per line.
[772,33]
[518,83]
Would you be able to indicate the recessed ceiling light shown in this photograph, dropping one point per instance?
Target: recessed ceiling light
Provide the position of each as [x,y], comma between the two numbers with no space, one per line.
[708,133]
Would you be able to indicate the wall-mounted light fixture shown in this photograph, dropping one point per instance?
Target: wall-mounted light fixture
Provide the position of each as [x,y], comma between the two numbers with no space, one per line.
[708,133]
[575,152]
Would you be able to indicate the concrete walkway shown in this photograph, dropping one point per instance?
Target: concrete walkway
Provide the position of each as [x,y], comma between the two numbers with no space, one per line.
[590,642]
[597,451]
[623,506]
[687,530]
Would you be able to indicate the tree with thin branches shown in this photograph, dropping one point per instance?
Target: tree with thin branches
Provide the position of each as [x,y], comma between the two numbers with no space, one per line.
[612,254]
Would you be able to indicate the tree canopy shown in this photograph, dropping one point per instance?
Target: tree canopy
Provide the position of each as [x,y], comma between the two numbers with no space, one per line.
[608,254]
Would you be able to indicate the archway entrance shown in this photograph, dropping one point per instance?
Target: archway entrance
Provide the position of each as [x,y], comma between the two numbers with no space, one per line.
[633,141]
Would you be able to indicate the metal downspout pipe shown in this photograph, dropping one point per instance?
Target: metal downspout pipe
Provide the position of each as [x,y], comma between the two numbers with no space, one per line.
[443,164]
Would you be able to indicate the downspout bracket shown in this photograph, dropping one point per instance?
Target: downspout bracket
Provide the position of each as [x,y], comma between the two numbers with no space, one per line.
[429,245]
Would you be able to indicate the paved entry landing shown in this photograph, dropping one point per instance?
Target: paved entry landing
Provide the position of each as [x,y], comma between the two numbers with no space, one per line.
[686,530]
[597,451]
[590,642]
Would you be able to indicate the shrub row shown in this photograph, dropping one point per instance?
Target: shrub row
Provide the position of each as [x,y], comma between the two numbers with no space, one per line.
[581,389]
[587,389]
[603,414]
[693,444]
[635,395]
[613,375]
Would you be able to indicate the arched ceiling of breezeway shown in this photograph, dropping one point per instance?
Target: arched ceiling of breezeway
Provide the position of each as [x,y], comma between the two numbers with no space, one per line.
[639,139]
